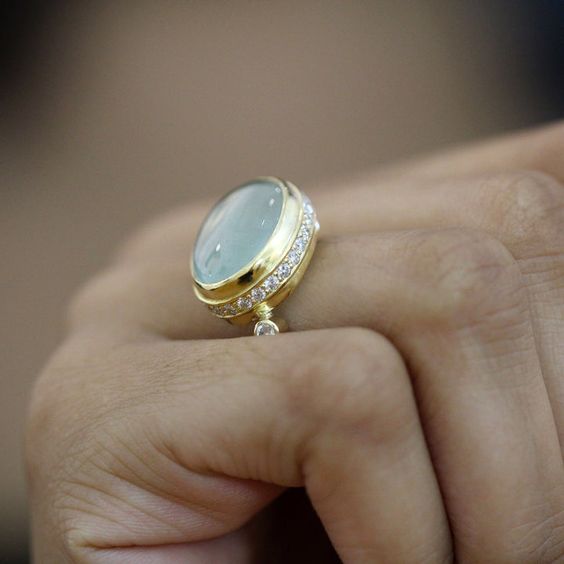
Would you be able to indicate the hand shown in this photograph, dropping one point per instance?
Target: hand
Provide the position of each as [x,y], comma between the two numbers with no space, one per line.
[419,402]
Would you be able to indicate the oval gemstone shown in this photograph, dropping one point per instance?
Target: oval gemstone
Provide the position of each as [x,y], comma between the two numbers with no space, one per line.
[236,230]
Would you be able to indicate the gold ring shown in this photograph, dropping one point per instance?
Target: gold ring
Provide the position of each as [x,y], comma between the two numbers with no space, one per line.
[252,250]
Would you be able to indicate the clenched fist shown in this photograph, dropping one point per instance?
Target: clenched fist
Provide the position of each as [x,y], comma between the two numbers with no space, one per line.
[415,413]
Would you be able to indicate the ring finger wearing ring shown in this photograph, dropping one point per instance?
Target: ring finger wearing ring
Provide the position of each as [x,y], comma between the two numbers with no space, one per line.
[252,250]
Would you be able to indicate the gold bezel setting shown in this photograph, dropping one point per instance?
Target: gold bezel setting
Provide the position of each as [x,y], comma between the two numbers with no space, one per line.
[273,274]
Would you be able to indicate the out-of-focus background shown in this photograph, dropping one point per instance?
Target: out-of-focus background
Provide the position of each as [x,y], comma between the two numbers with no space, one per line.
[111,111]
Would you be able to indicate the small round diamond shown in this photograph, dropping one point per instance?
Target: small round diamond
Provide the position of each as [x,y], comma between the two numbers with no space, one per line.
[304,234]
[228,309]
[244,303]
[257,295]
[283,271]
[266,327]
[293,258]
[308,220]
[308,208]
[271,283]
[299,245]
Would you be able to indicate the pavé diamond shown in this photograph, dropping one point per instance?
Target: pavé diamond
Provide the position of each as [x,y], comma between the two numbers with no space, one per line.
[299,245]
[257,295]
[293,258]
[228,309]
[283,271]
[244,303]
[271,283]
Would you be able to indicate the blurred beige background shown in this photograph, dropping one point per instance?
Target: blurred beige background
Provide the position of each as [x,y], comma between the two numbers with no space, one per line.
[124,109]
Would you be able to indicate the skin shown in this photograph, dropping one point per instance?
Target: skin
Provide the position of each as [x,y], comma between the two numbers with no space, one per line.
[419,401]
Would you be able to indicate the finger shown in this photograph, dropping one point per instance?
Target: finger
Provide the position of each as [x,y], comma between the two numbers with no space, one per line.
[454,304]
[206,428]
[525,211]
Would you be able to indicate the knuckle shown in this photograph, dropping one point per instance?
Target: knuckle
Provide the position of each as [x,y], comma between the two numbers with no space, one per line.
[525,206]
[355,380]
[467,276]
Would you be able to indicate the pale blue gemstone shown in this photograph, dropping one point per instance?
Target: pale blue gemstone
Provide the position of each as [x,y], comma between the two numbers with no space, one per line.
[236,230]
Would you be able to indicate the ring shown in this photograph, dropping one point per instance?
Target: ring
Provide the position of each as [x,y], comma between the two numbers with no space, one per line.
[252,250]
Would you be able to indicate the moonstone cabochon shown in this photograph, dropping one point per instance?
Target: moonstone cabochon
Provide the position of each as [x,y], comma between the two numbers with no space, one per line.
[236,230]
